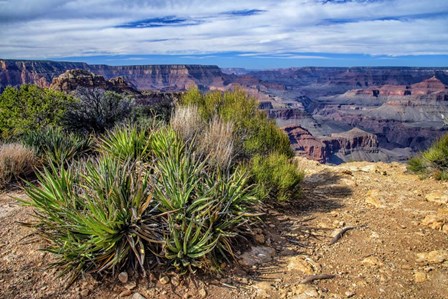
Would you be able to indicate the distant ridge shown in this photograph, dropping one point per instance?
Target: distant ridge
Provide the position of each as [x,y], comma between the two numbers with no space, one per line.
[174,77]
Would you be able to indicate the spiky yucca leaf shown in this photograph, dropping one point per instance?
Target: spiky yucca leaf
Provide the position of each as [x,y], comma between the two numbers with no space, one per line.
[96,218]
[126,142]
[58,147]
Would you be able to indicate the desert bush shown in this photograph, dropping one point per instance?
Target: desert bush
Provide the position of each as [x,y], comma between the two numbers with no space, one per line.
[207,210]
[57,147]
[254,132]
[276,177]
[97,110]
[30,108]
[98,217]
[126,143]
[16,161]
[432,162]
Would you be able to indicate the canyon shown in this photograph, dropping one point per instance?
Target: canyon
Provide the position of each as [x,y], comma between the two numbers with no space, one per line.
[332,115]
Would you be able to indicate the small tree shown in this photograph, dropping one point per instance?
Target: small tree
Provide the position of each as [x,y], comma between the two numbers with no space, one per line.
[30,108]
[97,110]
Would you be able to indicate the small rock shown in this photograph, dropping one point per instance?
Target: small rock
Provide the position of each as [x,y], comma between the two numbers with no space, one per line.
[131,286]
[437,197]
[202,293]
[372,261]
[420,277]
[374,198]
[433,257]
[85,292]
[257,255]
[260,238]
[123,277]
[164,280]
[298,263]
[262,289]
[125,293]
[350,294]
[137,296]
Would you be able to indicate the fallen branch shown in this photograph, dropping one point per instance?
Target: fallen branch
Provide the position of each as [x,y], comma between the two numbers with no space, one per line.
[341,233]
[311,278]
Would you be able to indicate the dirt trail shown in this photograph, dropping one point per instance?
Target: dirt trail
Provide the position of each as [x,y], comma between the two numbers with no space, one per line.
[396,247]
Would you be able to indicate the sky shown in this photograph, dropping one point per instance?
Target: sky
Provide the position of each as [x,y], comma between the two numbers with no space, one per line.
[253,34]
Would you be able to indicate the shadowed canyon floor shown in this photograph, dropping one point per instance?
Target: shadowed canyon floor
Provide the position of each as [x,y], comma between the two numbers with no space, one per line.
[392,243]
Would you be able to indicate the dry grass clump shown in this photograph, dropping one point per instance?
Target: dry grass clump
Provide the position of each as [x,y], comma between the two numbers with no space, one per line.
[16,161]
[187,121]
[217,142]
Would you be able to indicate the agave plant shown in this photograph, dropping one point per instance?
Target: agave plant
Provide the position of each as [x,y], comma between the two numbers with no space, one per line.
[99,217]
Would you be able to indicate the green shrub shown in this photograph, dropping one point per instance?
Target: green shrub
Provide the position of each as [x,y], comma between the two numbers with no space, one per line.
[30,108]
[57,147]
[432,162]
[97,218]
[255,134]
[126,143]
[276,177]
[97,111]
[16,161]
[207,210]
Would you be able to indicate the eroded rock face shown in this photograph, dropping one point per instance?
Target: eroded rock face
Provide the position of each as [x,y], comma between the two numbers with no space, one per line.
[149,77]
[333,148]
[74,79]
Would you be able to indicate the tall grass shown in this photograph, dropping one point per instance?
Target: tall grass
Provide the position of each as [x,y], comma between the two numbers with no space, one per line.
[16,161]
[217,142]
[187,121]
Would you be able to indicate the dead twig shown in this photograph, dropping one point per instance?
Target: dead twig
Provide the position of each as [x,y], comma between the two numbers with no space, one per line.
[341,233]
[311,278]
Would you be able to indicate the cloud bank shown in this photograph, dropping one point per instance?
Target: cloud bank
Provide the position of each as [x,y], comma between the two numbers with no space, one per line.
[274,28]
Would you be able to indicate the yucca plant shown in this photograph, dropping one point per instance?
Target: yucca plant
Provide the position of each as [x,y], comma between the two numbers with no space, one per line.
[57,147]
[206,208]
[98,217]
[126,142]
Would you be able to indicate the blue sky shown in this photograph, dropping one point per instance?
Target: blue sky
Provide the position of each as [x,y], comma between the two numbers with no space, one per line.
[253,34]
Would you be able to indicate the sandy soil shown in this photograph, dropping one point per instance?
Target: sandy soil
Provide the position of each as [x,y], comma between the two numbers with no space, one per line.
[395,245]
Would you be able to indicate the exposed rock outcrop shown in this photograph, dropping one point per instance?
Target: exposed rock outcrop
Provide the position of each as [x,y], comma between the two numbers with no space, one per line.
[150,77]
[74,79]
[334,148]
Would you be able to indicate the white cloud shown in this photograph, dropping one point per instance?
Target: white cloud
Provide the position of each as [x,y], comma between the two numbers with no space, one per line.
[52,28]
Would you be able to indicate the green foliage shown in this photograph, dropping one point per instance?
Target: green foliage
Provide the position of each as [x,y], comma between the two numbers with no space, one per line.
[97,111]
[206,209]
[433,162]
[255,133]
[276,177]
[97,217]
[126,143]
[57,147]
[30,108]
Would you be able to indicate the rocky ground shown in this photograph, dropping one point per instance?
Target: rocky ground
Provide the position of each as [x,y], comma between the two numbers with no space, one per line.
[389,231]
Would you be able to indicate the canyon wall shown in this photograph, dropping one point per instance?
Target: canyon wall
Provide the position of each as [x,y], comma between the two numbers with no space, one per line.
[143,77]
